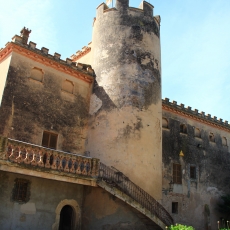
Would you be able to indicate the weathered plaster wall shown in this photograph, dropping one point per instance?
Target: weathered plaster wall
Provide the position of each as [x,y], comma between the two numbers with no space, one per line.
[211,160]
[29,107]
[102,210]
[39,212]
[4,66]
[125,109]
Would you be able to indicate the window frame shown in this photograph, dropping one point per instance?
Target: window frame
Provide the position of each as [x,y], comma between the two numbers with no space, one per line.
[21,190]
[49,139]
[177,173]
[175,207]
[194,172]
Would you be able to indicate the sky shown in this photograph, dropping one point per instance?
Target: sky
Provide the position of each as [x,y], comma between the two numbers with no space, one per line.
[195,42]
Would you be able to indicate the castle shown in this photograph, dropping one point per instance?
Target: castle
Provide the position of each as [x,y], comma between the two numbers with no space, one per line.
[88,143]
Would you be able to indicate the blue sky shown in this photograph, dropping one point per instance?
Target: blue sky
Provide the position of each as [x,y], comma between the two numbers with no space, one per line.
[195,42]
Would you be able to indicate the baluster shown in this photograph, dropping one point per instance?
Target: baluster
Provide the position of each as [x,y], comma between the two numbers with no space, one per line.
[60,167]
[40,163]
[34,160]
[78,171]
[84,167]
[47,163]
[27,160]
[66,169]
[13,151]
[54,164]
[72,170]
[19,158]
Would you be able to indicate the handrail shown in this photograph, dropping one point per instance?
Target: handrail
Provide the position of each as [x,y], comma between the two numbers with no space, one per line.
[118,179]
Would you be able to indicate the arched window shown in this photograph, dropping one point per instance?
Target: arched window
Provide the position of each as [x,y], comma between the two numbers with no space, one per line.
[197,132]
[224,141]
[183,128]
[165,123]
[211,137]
[68,86]
[37,74]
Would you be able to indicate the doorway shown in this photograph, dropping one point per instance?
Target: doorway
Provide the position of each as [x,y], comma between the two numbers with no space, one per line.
[66,218]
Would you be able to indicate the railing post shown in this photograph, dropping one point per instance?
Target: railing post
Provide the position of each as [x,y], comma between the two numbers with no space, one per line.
[3,146]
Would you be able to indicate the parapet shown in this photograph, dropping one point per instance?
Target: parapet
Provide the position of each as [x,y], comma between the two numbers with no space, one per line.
[81,53]
[188,110]
[145,8]
[19,40]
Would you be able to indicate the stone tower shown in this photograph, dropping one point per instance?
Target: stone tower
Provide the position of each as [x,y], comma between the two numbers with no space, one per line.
[125,113]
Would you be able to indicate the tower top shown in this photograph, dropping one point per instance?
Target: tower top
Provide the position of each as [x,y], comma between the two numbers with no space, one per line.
[25,33]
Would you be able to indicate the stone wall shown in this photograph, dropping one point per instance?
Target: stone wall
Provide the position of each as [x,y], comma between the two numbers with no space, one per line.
[30,106]
[44,199]
[102,210]
[205,147]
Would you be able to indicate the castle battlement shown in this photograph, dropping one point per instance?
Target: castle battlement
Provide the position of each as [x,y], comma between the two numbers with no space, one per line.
[81,53]
[145,9]
[195,112]
[31,46]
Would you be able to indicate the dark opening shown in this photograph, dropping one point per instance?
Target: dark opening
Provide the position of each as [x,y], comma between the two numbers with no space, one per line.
[66,218]
[49,140]
[192,172]
[175,207]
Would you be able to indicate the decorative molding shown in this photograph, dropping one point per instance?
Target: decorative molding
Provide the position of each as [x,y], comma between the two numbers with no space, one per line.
[45,60]
[194,117]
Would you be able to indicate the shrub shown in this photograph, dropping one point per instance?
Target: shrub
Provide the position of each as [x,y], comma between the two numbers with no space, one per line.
[180,227]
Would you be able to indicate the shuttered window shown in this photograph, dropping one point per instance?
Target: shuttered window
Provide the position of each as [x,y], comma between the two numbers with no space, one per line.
[177,177]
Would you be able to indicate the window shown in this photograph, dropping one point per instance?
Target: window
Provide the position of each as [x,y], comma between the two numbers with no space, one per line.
[192,172]
[177,177]
[49,140]
[183,128]
[20,191]
[67,86]
[197,133]
[175,207]
[164,123]
[211,137]
[37,74]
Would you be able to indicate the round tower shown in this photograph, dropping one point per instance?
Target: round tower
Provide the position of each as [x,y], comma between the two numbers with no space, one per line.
[125,110]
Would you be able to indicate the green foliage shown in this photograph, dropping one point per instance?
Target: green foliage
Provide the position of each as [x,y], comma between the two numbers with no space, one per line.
[180,227]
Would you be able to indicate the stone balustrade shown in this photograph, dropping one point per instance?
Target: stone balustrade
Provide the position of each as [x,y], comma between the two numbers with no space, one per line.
[37,156]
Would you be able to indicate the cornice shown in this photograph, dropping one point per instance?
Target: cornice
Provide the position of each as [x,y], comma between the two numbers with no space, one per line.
[204,120]
[81,54]
[44,59]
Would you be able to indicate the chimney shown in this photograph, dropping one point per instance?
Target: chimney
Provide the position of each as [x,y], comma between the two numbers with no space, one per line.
[25,33]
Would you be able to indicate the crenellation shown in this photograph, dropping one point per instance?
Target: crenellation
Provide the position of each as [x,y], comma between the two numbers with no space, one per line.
[194,112]
[45,50]
[147,8]
[68,61]
[16,39]
[32,45]
[57,56]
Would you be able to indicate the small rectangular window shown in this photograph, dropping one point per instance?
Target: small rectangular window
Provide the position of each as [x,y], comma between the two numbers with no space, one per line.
[192,172]
[177,177]
[20,192]
[49,140]
[175,207]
